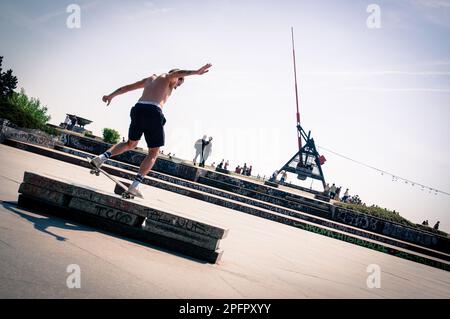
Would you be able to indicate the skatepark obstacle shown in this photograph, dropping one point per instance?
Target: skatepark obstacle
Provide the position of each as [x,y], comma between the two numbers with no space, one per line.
[130,218]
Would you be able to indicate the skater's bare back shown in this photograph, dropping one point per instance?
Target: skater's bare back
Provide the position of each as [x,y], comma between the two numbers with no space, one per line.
[157,88]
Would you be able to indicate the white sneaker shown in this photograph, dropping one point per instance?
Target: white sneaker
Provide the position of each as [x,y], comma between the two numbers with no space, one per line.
[97,162]
[135,191]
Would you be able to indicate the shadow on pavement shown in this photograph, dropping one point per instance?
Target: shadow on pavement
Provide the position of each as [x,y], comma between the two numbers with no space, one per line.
[43,223]
[47,220]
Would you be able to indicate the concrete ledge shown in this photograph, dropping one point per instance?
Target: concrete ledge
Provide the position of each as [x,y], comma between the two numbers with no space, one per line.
[223,171]
[301,188]
[79,204]
[123,205]
[322,197]
[157,241]
[28,136]
[105,212]
[244,186]
[44,194]
[75,198]
[271,184]
[167,229]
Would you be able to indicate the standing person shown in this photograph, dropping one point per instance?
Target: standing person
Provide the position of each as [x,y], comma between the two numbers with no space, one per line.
[244,169]
[338,192]
[326,190]
[147,118]
[220,164]
[273,178]
[436,226]
[332,191]
[198,146]
[346,196]
[206,150]
[226,165]
[249,170]
[67,122]
[283,176]
[73,122]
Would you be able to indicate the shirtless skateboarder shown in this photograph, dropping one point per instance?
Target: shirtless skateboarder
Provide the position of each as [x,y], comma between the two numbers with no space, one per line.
[147,118]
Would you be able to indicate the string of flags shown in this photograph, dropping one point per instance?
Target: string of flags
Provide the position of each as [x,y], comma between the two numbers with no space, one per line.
[395,178]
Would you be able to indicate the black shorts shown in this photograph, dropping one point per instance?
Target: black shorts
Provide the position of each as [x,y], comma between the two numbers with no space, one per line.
[149,120]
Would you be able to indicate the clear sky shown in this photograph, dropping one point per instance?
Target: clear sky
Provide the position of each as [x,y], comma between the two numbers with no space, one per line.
[378,95]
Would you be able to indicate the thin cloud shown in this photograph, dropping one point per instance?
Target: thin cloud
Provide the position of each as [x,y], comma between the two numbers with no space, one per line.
[436,4]
[435,11]
[440,62]
[410,14]
[379,73]
[381,89]
[143,13]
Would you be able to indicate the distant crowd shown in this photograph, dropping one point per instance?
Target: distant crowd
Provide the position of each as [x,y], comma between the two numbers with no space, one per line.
[334,193]
[436,226]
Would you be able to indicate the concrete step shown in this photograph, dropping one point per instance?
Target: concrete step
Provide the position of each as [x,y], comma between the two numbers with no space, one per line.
[198,239]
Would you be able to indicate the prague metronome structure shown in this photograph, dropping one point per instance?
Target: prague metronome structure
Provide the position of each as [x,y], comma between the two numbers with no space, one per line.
[306,163]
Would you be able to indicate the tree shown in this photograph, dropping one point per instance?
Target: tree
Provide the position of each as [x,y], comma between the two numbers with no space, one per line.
[110,135]
[8,82]
[24,111]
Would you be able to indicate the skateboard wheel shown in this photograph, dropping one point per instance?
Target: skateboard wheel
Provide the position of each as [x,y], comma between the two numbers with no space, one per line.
[126,195]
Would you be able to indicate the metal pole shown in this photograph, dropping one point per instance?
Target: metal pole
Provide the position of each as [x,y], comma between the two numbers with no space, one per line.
[296,92]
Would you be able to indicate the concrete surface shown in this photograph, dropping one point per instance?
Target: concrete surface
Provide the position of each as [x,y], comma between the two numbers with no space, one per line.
[262,259]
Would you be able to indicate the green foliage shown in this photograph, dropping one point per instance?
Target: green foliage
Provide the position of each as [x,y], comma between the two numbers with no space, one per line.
[89,135]
[378,212]
[51,130]
[18,108]
[8,82]
[110,135]
[387,215]
[24,111]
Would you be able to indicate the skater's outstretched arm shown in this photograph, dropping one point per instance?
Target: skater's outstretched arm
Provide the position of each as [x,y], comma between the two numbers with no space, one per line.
[124,89]
[182,73]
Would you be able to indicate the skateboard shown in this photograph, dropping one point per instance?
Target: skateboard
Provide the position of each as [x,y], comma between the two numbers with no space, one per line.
[125,194]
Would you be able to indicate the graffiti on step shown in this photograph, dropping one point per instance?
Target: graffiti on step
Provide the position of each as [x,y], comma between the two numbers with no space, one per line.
[114,214]
[15,134]
[177,221]
[377,247]
[383,227]
[408,234]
